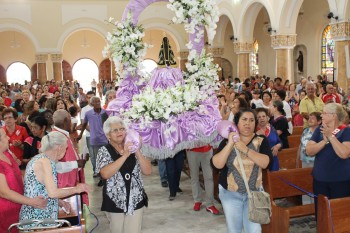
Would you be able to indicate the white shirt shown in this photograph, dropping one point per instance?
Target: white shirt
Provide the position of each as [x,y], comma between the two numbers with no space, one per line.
[288,111]
[258,103]
[82,116]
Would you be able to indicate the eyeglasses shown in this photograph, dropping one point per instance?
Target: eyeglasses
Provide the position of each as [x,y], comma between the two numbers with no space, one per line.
[324,113]
[117,130]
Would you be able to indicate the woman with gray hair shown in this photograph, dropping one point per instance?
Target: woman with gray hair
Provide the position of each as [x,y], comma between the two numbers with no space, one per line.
[41,179]
[123,199]
[330,144]
[110,95]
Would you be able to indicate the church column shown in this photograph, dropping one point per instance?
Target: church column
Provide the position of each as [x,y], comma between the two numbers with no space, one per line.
[57,66]
[217,53]
[41,60]
[340,33]
[183,60]
[284,44]
[243,50]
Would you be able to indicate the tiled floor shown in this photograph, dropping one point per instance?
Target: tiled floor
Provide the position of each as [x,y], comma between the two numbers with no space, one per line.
[164,216]
[161,215]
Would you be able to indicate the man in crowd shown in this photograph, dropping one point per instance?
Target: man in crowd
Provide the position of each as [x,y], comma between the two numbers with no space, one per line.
[83,112]
[330,96]
[310,103]
[95,118]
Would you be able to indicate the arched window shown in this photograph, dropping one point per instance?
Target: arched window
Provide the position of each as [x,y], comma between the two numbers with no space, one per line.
[84,71]
[254,59]
[327,52]
[18,72]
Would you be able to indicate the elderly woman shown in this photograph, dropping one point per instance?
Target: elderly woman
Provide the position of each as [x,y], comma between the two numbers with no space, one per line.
[110,95]
[264,128]
[41,179]
[256,155]
[330,144]
[11,188]
[122,194]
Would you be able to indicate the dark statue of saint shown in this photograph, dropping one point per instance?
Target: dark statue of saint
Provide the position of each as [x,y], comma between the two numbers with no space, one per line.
[166,54]
[300,61]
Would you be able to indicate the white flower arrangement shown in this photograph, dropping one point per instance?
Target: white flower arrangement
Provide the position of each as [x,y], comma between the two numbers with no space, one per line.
[161,104]
[127,50]
[202,72]
[200,84]
[126,47]
[194,13]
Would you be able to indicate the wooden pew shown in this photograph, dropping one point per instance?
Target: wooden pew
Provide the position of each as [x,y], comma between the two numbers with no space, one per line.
[294,140]
[298,130]
[279,189]
[288,158]
[333,214]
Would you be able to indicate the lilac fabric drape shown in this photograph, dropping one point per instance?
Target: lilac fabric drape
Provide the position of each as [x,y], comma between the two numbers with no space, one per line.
[166,77]
[136,7]
[163,139]
[198,46]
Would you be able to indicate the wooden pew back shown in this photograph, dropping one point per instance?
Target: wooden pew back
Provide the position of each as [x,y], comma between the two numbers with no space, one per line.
[294,141]
[277,188]
[298,130]
[333,214]
[288,158]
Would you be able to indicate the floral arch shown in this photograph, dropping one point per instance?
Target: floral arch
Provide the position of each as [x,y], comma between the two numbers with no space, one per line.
[171,110]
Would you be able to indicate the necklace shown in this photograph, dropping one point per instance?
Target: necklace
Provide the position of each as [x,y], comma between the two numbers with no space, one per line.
[127,175]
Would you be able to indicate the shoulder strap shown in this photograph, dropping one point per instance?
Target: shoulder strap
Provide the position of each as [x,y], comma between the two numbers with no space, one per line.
[112,152]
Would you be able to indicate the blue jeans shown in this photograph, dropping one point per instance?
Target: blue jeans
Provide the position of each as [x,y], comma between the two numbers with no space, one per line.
[91,154]
[173,169]
[162,170]
[235,207]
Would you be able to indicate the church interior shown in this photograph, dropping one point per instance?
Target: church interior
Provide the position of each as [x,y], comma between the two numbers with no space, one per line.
[290,39]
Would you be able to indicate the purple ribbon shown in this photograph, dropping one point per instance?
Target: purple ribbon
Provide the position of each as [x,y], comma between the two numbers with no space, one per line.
[136,7]
[198,46]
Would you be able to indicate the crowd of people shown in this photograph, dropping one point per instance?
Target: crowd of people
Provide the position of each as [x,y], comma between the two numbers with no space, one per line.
[41,126]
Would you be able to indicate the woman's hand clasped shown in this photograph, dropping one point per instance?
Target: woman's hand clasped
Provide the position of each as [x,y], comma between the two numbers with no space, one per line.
[326,131]
[39,202]
[126,152]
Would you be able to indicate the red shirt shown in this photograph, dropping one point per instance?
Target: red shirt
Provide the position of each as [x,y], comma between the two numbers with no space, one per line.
[53,88]
[20,134]
[7,102]
[333,98]
[202,149]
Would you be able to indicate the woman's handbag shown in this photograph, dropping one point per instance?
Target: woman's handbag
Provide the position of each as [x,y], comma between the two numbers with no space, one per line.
[259,202]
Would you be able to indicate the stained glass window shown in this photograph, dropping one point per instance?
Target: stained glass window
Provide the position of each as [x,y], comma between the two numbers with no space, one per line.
[254,59]
[327,52]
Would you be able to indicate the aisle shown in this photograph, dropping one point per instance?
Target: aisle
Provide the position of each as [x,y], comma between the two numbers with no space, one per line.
[162,215]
